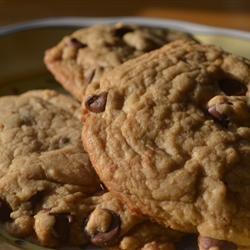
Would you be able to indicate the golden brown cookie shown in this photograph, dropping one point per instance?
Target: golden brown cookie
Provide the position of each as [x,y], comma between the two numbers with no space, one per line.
[169,133]
[112,225]
[48,187]
[44,169]
[80,59]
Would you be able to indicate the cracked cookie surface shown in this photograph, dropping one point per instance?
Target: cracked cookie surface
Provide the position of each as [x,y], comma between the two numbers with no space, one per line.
[173,138]
[48,188]
[79,60]
[43,165]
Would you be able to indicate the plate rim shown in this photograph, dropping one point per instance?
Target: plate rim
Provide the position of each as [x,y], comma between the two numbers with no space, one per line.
[55,22]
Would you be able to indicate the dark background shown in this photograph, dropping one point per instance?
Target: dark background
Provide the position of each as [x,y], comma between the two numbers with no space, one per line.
[227,13]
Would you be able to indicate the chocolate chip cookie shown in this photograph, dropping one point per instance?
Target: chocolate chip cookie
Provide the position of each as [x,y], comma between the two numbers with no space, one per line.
[48,187]
[169,132]
[44,171]
[113,226]
[80,59]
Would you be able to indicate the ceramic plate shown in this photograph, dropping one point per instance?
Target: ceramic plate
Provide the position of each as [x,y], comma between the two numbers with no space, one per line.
[22,48]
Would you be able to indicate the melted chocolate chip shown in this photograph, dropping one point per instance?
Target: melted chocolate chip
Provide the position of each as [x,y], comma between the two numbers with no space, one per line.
[90,76]
[222,119]
[63,141]
[101,190]
[97,103]
[232,87]
[189,240]
[206,243]
[61,227]
[103,187]
[36,199]
[70,218]
[27,121]
[215,114]
[121,31]
[110,237]
[5,211]
[75,43]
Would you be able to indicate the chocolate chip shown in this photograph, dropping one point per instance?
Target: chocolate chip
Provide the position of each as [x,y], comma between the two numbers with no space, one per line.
[36,199]
[103,187]
[206,243]
[26,121]
[90,76]
[75,43]
[101,190]
[97,103]
[63,141]
[232,86]
[70,218]
[215,114]
[109,238]
[61,227]
[222,119]
[5,211]
[189,240]
[121,31]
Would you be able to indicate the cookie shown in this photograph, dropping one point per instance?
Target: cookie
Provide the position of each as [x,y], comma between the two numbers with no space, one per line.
[169,132]
[113,226]
[48,187]
[150,236]
[80,59]
[43,165]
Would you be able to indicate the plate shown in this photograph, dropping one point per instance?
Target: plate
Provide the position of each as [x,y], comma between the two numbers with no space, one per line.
[22,48]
